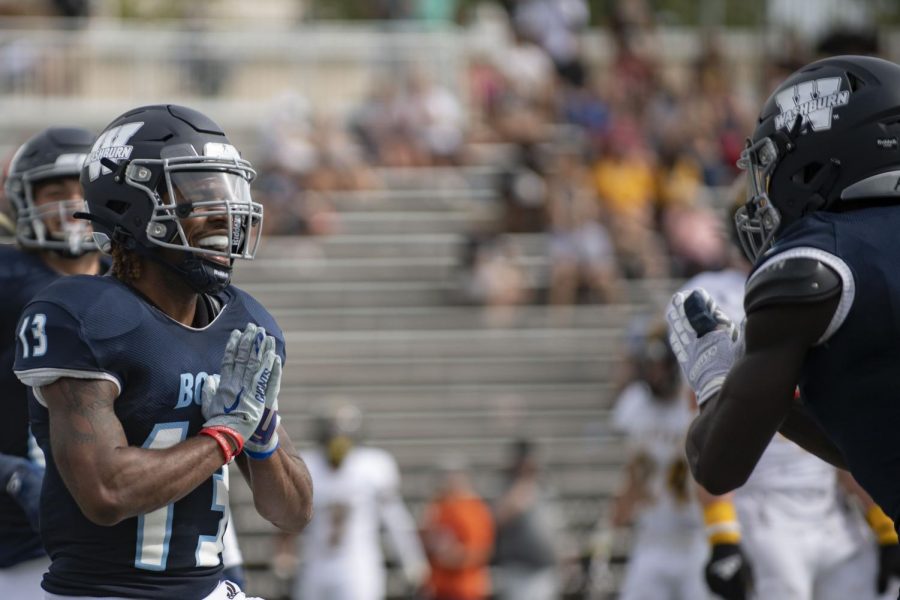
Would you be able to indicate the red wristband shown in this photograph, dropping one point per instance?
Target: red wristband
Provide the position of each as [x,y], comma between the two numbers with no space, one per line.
[228,439]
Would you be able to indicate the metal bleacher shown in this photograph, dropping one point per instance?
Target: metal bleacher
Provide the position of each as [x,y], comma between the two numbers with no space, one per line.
[371,314]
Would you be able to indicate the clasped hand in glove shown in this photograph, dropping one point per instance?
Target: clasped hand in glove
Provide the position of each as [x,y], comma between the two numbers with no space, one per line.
[705,341]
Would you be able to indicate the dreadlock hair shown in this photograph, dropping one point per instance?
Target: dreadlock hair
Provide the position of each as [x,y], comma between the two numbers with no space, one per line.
[126,265]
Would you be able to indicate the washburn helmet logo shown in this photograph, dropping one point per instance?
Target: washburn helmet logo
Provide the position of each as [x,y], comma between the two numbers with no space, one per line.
[813,100]
[112,144]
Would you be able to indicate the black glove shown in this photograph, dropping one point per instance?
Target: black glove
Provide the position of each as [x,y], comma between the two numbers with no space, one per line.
[728,572]
[888,565]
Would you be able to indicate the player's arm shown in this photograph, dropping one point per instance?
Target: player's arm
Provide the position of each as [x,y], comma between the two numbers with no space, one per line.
[746,395]
[284,560]
[281,484]
[719,516]
[881,524]
[735,426]
[801,428]
[278,478]
[109,479]
[882,528]
[631,493]
[728,572]
[401,528]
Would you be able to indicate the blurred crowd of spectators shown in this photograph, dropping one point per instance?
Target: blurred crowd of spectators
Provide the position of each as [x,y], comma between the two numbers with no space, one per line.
[622,166]
[619,165]
[615,165]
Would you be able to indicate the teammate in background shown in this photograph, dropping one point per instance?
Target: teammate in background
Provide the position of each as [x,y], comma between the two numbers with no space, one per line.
[357,490]
[821,301]
[147,382]
[43,191]
[669,550]
[787,532]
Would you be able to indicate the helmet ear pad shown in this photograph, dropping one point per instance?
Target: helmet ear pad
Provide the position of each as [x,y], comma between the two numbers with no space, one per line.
[813,203]
[816,181]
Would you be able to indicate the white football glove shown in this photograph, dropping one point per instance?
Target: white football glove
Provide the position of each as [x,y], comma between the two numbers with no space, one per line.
[236,398]
[705,341]
[264,441]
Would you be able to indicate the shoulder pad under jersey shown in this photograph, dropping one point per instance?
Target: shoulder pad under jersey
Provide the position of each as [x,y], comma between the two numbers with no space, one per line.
[794,280]
[104,307]
[260,315]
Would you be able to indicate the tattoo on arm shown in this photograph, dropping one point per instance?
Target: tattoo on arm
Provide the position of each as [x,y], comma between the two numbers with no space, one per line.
[82,423]
[86,407]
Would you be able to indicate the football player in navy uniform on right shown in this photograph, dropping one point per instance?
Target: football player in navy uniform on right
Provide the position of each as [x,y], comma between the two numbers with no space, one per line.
[147,382]
[43,190]
[823,298]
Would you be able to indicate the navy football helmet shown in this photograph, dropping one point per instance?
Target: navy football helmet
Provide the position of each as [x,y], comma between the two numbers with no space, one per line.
[54,153]
[156,165]
[827,139]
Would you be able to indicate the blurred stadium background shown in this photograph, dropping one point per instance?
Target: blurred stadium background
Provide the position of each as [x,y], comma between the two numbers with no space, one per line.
[431,169]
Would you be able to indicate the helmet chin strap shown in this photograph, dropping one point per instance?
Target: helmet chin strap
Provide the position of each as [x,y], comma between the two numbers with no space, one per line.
[201,275]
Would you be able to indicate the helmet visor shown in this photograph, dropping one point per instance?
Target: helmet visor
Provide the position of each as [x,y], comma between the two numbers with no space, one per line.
[56,227]
[48,221]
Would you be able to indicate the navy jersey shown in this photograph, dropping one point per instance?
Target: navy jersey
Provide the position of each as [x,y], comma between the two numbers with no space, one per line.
[851,378]
[22,275]
[98,327]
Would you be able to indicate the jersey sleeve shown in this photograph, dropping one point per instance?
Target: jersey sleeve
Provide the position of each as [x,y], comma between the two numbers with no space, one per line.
[627,409]
[50,344]
[399,523]
[263,318]
[388,475]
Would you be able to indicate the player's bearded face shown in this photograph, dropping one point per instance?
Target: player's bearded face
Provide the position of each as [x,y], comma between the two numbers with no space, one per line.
[215,212]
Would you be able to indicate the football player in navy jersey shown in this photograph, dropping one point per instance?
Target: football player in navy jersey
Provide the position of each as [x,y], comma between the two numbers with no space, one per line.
[823,298]
[44,193]
[147,382]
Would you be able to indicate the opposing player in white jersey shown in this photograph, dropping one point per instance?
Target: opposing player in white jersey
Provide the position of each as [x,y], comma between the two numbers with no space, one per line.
[357,490]
[669,549]
[786,533]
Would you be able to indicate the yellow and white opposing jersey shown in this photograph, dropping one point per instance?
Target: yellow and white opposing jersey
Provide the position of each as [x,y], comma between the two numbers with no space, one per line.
[341,547]
[655,431]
